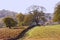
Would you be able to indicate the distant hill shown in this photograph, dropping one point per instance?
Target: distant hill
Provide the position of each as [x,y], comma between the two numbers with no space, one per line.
[49,16]
[4,13]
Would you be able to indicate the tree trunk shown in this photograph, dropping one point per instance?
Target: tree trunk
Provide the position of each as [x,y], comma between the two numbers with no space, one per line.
[9,27]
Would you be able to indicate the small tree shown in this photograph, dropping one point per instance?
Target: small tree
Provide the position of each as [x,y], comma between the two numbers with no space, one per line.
[9,22]
[28,19]
[20,18]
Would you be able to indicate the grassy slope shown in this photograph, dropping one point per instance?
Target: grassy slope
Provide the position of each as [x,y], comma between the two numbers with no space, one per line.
[51,31]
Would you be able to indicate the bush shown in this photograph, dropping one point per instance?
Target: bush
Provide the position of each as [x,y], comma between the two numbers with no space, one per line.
[9,22]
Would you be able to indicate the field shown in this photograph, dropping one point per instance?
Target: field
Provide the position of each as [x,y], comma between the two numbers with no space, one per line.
[50,32]
[9,33]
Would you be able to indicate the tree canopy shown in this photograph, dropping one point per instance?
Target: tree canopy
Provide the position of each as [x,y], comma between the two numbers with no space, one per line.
[56,17]
[9,22]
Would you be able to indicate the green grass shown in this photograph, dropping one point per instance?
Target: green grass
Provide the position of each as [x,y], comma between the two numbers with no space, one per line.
[51,31]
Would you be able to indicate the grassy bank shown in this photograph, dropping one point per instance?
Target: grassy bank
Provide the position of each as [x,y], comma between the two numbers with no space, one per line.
[50,31]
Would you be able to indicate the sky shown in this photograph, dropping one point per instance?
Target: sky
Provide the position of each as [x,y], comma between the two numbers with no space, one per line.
[22,5]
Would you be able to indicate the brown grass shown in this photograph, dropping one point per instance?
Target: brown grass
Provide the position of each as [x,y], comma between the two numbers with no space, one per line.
[9,33]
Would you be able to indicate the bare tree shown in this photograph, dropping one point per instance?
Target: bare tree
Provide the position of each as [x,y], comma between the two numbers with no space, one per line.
[37,12]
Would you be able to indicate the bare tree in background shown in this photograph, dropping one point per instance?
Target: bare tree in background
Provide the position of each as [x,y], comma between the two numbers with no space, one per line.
[37,12]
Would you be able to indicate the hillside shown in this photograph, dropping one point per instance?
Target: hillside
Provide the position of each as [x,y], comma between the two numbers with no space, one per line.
[4,13]
[51,32]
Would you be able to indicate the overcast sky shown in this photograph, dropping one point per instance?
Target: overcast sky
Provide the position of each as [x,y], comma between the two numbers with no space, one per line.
[21,5]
